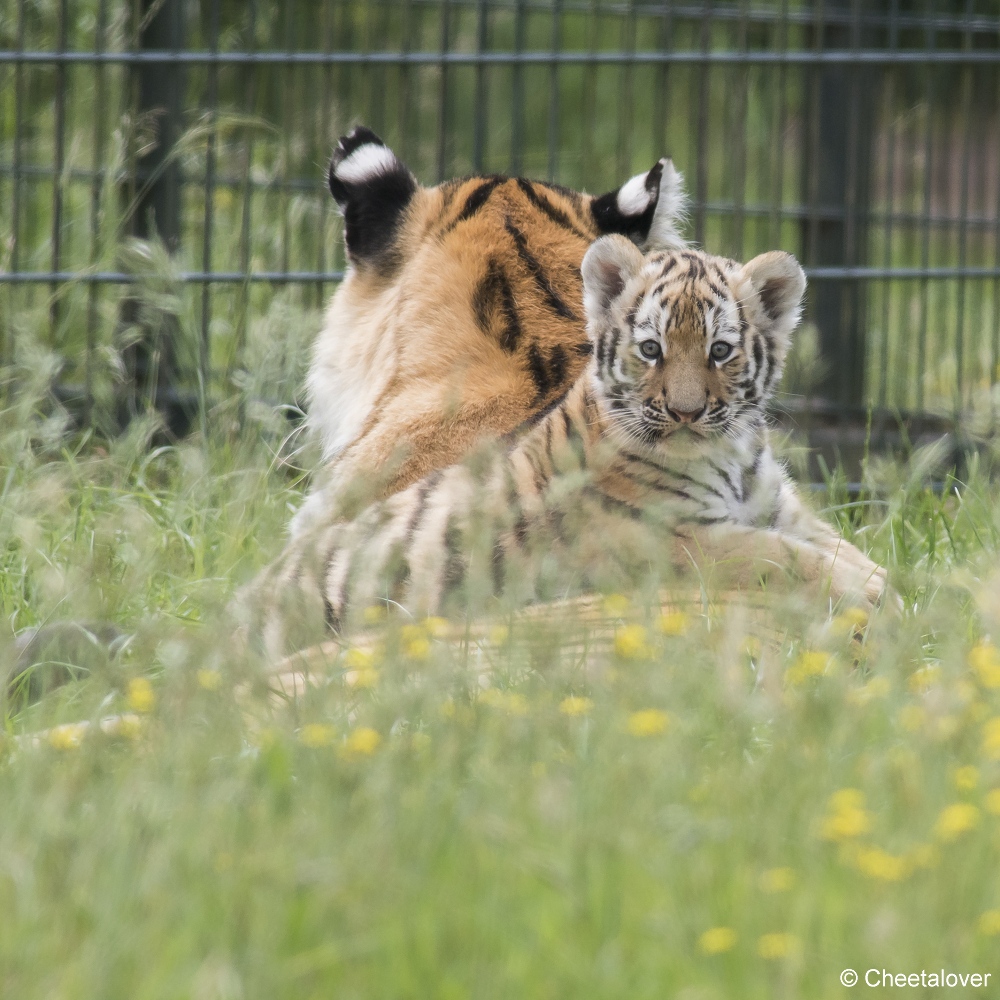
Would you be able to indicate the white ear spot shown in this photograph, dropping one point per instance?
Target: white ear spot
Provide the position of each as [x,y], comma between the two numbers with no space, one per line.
[633,196]
[670,212]
[365,162]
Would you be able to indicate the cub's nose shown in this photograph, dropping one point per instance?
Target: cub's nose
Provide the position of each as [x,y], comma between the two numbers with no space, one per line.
[686,416]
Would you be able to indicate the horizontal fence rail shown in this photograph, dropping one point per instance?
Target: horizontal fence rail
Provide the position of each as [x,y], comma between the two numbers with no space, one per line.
[166,232]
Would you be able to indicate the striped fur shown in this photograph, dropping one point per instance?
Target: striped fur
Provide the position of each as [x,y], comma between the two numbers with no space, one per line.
[663,423]
[459,318]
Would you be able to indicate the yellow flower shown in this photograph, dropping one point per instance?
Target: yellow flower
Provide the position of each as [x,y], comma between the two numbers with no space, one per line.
[912,717]
[877,687]
[359,659]
[777,880]
[717,940]
[810,663]
[752,647]
[448,708]
[508,701]
[418,648]
[923,679]
[846,816]
[648,722]
[776,945]
[574,705]
[373,614]
[210,680]
[316,735]
[436,626]
[630,643]
[985,662]
[989,923]
[850,623]
[68,736]
[615,605]
[956,819]
[140,695]
[673,623]
[879,864]
[366,677]
[499,634]
[966,778]
[991,738]
[363,742]
[992,801]
[127,725]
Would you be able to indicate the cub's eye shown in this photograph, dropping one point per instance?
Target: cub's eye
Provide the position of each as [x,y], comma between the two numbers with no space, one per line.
[720,350]
[650,349]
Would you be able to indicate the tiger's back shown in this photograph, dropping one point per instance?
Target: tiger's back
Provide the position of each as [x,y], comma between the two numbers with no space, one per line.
[460,317]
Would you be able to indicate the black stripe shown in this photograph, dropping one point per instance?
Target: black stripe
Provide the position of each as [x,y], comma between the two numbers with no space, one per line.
[557,364]
[536,365]
[584,347]
[455,563]
[423,497]
[333,622]
[610,503]
[475,201]
[498,566]
[538,274]
[559,217]
[494,295]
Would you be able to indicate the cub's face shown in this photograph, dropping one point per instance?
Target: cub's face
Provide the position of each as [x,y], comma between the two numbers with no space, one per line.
[686,341]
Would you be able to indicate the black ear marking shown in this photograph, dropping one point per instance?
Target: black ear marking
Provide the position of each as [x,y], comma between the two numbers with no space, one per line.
[372,187]
[629,209]
[771,295]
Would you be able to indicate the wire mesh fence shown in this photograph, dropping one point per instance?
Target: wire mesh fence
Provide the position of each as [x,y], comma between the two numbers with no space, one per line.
[161,168]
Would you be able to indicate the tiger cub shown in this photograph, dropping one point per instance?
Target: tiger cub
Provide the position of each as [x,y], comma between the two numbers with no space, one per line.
[459,317]
[667,420]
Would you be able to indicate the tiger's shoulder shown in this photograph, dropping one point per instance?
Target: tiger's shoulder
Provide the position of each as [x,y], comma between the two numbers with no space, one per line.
[460,315]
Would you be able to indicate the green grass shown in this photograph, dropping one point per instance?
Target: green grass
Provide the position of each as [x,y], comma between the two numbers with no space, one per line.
[487,843]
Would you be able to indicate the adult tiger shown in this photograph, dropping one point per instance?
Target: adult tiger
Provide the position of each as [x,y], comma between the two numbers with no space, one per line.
[666,423]
[459,317]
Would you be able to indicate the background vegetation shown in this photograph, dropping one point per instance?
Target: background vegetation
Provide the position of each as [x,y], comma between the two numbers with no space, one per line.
[723,798]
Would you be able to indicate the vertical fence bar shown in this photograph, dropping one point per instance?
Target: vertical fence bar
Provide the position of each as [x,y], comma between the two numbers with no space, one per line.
[590,97]
[405,76]
[553,158]
[327,139]
[479,130]
[150,361]
[59,146]
[890,125]
[249,87]
[517,94]
[442,107]
[16,170]
[288,108]
[963,223]
[96,190]
[204,348]
[930,41]
[625,92]
[742,80]
[838,172]
[778,141]
[701,125]
[661,104]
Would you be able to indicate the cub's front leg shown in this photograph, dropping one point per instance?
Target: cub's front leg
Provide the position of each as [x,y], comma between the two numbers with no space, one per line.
[743,553]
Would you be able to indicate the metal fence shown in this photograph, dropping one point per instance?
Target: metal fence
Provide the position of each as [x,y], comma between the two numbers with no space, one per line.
[161,167]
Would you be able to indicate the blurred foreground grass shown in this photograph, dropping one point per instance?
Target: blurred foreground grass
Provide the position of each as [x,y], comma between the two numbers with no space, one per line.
[696,808]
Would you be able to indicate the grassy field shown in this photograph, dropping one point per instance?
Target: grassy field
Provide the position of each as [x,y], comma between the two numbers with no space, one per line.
[717,802]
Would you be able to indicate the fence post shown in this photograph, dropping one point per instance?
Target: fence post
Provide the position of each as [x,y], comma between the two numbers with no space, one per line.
[151,359]
[840,103]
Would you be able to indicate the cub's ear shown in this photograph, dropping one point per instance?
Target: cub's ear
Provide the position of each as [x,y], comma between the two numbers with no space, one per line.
[779,284]
[373,188]
[607,267]
[649,209]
